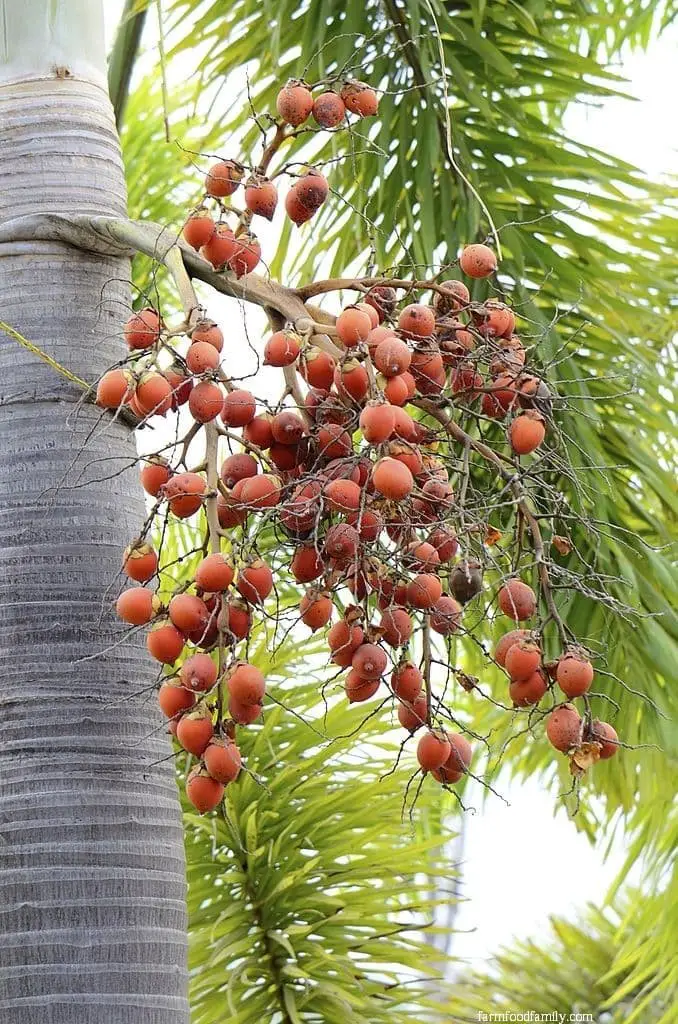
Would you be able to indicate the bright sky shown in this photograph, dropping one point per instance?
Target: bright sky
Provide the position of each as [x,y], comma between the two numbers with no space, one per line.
[565,870]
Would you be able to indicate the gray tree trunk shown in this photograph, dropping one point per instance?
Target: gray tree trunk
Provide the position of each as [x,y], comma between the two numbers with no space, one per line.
[92,889]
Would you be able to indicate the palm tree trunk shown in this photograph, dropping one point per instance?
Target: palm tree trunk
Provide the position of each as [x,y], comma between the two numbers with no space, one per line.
[92,890]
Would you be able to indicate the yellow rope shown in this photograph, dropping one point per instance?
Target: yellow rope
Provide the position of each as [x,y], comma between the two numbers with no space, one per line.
[43,355]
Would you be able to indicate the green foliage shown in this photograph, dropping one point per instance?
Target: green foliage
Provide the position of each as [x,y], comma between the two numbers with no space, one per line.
[591,966]
[325,884]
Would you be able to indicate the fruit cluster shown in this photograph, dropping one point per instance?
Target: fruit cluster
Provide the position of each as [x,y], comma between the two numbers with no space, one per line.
[352,474]
[237,247]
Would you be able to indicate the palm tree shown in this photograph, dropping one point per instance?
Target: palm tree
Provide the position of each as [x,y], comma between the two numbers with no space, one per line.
[91,845]
[101,932]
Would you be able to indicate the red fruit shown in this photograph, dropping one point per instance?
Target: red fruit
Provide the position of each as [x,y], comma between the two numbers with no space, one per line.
[342,495]
[198,229]
[329,110]
[287,427]
[574,674]
[334,442]
[360,99]
[506,642]
[154,394]
[295,209]
[188,613]
[517,600]
[155,474]
[194,731]
[368,523]
[352,380]
[208,331]
[417,321]
[204,792]
[239,407]
[255,582]
[604,734]
[353,326]
[501,398]
[238,467]
[526,432]
[282,348]
[525,692]
[478,261]
[369,661]
[140,562]
[396,625]
[165,643]
[184,493]
[424,590]
[412,717]
[422,555]
[315,610]
[311,190]
[457,764]
[317,368]
[244,714]
[202,357]
[495,320]
[214,574]
[180,383]
[285,457]
[246,255]
[344,640]
[564,728]
[510,358]
[398,390]
[406,682]
[392,479]
[358,689]
[258,431]
[220,247]
[466,382]
[198,672]
[454,297]
[114,389]
[378,334]
[142,329]
[383,299]
[137,606]
[261,197]
[302,512]
[372,314]
[294,103]
[433,750]
[446,615]
[205,401]
[222,760]
[260,491]
[523,658]
[306,565]
[246,684]
[174,699]
[445,542]
[239,619]
[223,178]
[392,357]
[342,542]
